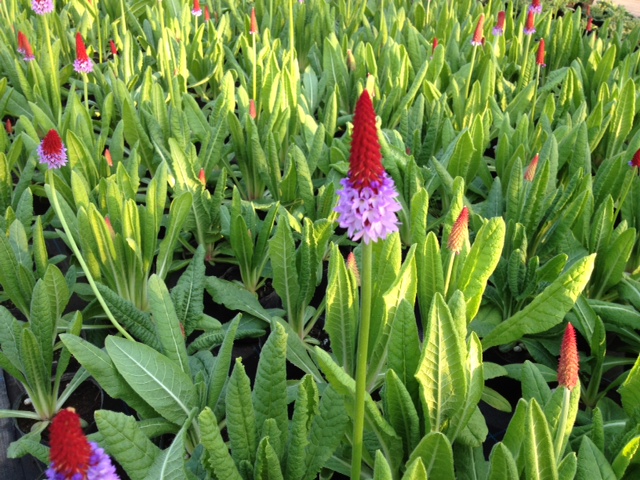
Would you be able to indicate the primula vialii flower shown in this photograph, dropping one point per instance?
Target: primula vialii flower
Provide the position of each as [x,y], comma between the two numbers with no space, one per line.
[589,24]
[252,109]
[499,28]
[73,457]
[476,41]
[459,232]
[9,126]
[434,45]
[541,53]
[51,150]
[254,22]
[569,365]
[635,161]
[42,7]
[107,156]
[367,202]
[197,11]
[114,49]
[24,47]
[82,64]
[530,27]
[530,172]
[207,13]
[353,266]
[202,177]
[535,7]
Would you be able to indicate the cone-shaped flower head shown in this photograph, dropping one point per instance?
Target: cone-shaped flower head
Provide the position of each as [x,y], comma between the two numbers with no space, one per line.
[254,22]
[107,156]
[24,48]
[541,53]
[589,24]
[499,28]
[253,113]
[635,161]
[114,48]
[476,41]
[197,11]
[530,172]
[82,64]
[202,177]
[51,150]
[367,202]
[353,266]
[459,232]
[435,44]
[73,457]
[530,27]
[569,365]
[207,13]
[42,7]
[535,7]
[8,126]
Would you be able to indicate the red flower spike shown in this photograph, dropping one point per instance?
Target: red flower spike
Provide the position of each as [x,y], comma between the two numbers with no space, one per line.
[201,177]
[70,450]
[459,232]
[530,172]
[9,126]
[635,161]
[589,24]
[252,109]
[254,22]
[541,53]
[197,11]
[536,6]
[81,48]
[366,159]
[353,266]
[107,156]
[477,36]
[569,365]
[24,47]
[114,49]
[207,13]
[435,45]
[530,27]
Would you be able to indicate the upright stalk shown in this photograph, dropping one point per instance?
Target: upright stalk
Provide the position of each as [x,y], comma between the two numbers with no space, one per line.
[363,352]
[562,424]
[76,252]
[55,88]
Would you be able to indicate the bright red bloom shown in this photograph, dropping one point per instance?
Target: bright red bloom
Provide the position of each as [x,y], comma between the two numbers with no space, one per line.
[51,150]
[477,36]
[197,11]
[9,126]
[459,232]
[82,64]
[530,172]
[541,53]
[254,22]
[434,45]
[207,14]
[535,7]
[114,49]
[252,109]
[499,28]
[70,450]
[24,47]
[569,365]
[530,28]
[366,159]
[589,24]
[201,177]
[107,156]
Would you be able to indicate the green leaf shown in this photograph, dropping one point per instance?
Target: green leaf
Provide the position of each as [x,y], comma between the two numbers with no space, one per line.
[267,465]
[270,387]
[169,464]
[534,384]
[568,467]
[404,349]
[435,451]
[400,411]
[547,309]
[502,464]
[630,390]
[540,459]
[381,469]
[178,213]
[235,297]
[592,464]
[187,295]
[36,372]
[241,417]
[167,324]
[219,461]
[480,263]
[430,274]
[340,320]
[441,373]
[220,371]
[282,252]
[305,409]
[43,318]
[154,377]
[626,455]
[326,433]
[8,275]
[415,471]
[124,441]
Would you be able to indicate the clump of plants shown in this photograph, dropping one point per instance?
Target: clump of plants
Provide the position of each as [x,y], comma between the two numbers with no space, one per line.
[317,239]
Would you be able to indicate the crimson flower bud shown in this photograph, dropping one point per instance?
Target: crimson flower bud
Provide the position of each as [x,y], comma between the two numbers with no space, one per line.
[499,28]
[530,173]
[252,109]
[459,232]
[254,22]
[107,156]
[114,49]
[541,53]
[201,177]
[476,41]
[82,64]
[635,161]
[569,365]
[530,27]
[353,266]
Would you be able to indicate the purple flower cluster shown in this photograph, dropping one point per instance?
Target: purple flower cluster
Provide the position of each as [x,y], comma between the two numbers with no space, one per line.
[83,65]
[42,7]
[100,468]
[369,212]
[51,150]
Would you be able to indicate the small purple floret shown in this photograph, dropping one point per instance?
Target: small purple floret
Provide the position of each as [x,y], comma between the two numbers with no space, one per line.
[535,9]
[100,467]
[497,31]
[42,7]
[83,66]
[53,159]
[529,31]
[368,213]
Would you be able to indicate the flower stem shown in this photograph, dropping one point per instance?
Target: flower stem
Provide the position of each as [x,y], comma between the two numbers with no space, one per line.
[55,89]
[447,279]
[361,365]
[76,252]
[562,424]
[86,93]
[535,94]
